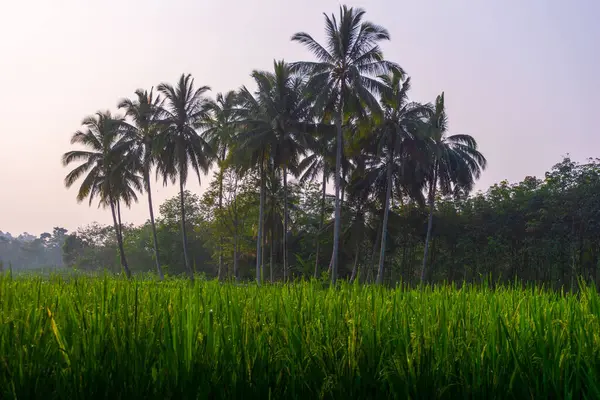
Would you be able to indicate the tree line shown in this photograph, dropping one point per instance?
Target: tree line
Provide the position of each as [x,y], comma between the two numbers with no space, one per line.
[28,252]
[345,116]
[537,230]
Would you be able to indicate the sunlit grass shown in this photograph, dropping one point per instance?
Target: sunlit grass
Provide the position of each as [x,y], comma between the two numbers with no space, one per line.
[104,337]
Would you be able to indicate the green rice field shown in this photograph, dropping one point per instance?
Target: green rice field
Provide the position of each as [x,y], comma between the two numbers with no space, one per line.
[96,338]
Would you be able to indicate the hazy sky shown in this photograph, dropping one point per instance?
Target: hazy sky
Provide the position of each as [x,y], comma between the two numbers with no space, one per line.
[522,76]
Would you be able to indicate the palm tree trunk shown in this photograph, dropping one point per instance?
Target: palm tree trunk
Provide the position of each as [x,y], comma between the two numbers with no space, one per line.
[386,213]
[337,226]
[235,232]
[272,256]
[285,227]
[120,241]
[119,218]
[373,252]
[154,236]
[183,230]
[429,225]
[263,249]
[260,223]
[321,221]
[220,272]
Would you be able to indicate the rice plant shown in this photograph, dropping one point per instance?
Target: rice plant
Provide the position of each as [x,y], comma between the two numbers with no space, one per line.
[88,338]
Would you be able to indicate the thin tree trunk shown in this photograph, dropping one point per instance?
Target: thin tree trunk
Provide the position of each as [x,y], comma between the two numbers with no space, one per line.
[119,218]
[263,250]
[272,256]
[285,227]
[120,241]
[321,222]
[159,270]
[342,190]
[355,267]
[235,232]
[235,257]
[220,271]
[235,240]
[337,226]
[429,224]
[373,252]
[260,223]
[221,172]
[386,213]
[183,230]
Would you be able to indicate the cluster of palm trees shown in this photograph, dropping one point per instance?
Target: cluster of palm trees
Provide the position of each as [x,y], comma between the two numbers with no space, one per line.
[346,115]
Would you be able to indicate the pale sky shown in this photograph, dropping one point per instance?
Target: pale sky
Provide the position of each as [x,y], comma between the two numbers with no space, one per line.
[522,76]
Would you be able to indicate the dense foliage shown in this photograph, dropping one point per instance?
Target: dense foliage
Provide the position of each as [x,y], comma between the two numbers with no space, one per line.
[541,230]
[89,338]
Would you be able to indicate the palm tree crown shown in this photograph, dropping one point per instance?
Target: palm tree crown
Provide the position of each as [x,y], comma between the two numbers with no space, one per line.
[181,145]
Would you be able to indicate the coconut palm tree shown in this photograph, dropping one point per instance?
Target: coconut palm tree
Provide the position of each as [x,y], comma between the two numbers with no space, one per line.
[276,124]
[319,162]
[342,78]
[107,170]
[250,113]
[181,147]
[455,164]
[144,112]
[218,129]
[397,141]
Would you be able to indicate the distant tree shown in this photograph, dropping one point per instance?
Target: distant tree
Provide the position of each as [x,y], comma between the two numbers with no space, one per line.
[321,161]
[397,146]
[143,133]
[181,146]
[454,166]
[219,130]
[276,121]
[106,168]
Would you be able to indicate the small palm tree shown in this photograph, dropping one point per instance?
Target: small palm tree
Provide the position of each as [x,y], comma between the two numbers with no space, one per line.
[219,131]
[180,146]
[342,77]
[143,133]
[107,169]
[454,165]
[319,162]
[397,138]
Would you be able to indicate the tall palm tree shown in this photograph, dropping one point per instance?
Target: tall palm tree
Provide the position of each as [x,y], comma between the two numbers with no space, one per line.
[342,77]
[250,114]
[397,137]
[181,146]
[276,121]
[219,131]
[106,168]
[144,112]
[455,164]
